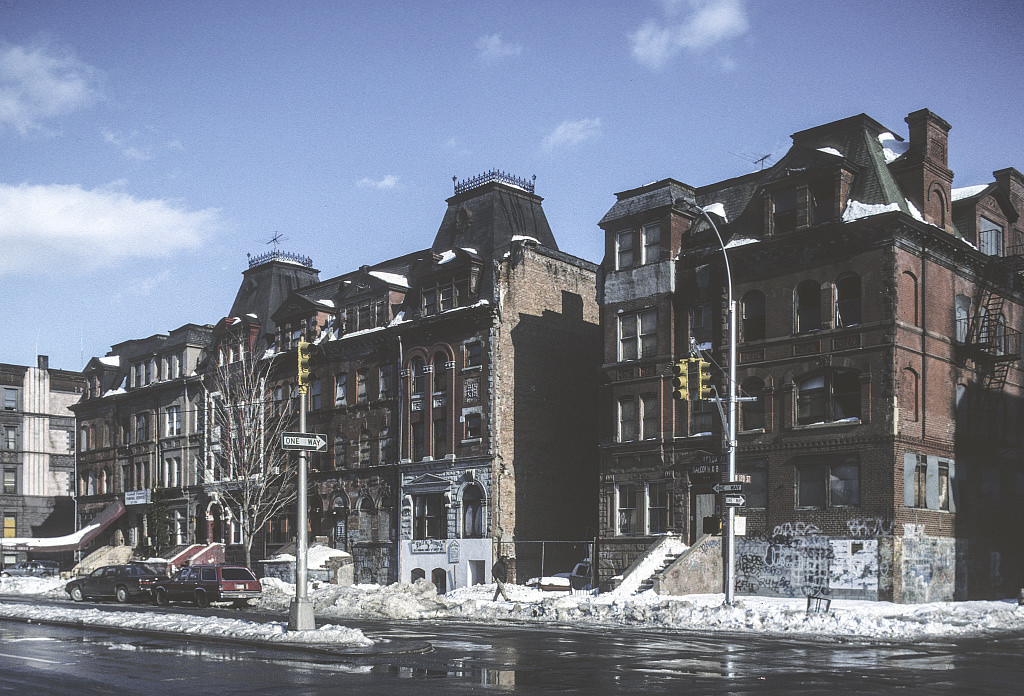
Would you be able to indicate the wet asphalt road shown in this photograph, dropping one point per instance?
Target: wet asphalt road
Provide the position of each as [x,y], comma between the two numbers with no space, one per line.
[475,658]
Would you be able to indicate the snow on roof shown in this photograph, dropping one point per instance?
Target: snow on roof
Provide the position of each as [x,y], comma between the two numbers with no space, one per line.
[856,210]
[391,278]
[326,303]
[892,146]
[968,191]
[111,360]
[830,151]
[43,542]
[524,238]
[739,242]
[718,209]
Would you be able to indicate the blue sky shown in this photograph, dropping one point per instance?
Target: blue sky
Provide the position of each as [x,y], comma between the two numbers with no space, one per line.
[147,147]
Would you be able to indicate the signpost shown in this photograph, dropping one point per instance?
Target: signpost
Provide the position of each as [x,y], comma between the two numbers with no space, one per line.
[307,442]
[733,501]
[728,488]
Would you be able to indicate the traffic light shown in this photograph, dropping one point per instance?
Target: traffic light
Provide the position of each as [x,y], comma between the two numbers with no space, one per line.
[704,390]
[712,525]
[681,381]
[302,357]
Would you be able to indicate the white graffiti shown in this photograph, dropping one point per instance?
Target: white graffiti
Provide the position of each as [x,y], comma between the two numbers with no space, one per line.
[867,527]
[913,530]
[791,529]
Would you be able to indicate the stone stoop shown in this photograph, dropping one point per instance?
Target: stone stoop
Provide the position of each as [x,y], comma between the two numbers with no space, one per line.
[659,556]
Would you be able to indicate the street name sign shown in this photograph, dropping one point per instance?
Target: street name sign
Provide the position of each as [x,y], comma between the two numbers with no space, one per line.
[310,442]
[735,501]
[728,488]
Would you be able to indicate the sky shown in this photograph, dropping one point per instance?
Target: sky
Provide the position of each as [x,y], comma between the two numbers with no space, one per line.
[148,148]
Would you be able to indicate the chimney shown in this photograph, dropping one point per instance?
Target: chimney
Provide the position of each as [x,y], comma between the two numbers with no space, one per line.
[43,362]
[1011,183]
[922,172]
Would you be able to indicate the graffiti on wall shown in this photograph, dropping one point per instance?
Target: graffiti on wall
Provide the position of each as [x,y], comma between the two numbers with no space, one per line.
[806,564]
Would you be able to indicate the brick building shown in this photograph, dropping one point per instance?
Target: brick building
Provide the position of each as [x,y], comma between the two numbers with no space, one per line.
[37,455]
[879,338]
[454,385]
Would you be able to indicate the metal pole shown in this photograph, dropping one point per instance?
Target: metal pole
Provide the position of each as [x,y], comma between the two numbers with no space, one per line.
[301,616]
[729,579]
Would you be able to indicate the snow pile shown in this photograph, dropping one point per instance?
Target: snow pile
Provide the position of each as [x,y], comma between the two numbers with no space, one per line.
[766,615]
[846,619]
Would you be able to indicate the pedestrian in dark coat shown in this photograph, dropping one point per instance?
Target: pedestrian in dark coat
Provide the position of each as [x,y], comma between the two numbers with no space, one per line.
[500,574]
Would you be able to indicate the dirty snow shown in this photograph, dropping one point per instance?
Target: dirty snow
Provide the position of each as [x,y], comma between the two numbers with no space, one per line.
[846,619]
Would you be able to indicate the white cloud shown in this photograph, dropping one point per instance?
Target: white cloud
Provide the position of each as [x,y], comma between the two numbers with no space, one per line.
[37,84]
[124,144]
[389,181]
[493,47]
[68,229]
[572,133]
[705,24]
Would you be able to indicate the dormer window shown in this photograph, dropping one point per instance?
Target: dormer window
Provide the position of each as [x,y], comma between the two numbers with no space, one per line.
[651,236]
[783,211]
[443,295]
[624,250]
[990,237]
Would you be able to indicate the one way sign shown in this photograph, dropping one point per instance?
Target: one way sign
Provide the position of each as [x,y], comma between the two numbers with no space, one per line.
[311,442]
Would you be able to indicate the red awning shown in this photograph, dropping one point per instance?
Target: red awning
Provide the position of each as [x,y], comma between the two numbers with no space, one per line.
[70,542]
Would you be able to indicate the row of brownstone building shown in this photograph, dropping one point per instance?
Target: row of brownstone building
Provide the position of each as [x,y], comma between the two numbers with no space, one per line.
[492,395]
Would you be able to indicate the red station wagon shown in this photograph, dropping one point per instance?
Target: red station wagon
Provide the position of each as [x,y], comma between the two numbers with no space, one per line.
[203,584]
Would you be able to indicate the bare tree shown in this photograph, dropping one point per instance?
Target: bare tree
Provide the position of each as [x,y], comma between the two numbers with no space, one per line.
[250,473]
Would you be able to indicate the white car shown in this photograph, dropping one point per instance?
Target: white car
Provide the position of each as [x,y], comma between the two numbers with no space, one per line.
[578,579]
[36,569]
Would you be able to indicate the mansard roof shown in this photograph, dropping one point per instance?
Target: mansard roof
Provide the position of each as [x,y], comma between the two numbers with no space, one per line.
[489,212]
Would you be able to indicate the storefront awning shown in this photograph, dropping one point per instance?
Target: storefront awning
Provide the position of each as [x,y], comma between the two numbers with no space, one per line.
[68,542]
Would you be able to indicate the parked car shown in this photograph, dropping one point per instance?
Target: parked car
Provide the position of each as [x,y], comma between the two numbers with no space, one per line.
[36,569]
[122,582]
[203,584]
[576,579]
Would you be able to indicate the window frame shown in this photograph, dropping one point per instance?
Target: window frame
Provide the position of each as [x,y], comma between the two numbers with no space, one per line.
[642,338]
[818,478]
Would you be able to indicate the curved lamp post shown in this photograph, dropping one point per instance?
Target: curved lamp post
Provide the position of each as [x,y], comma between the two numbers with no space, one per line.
[729,581]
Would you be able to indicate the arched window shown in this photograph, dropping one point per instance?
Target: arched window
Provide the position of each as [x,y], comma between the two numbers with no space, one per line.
[848,306]
[753,316]
[808,306]
[752,412]
[828,396]
[368,530]
[908,301]
[440,373]
[439,576]
[908,394]
[417,574]
[472,513]
[419,376]
[961,317]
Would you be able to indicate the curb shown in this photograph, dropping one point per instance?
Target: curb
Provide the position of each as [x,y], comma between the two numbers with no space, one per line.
[321,649]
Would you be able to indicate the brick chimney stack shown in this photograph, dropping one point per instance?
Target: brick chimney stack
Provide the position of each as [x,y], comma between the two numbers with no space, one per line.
[923,172]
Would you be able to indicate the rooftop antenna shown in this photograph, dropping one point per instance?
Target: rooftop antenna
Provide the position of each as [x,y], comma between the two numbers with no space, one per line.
[276,239]
[759,161]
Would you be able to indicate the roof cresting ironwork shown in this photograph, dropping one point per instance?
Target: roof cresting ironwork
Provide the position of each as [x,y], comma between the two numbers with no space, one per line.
[494,175]
[277,255]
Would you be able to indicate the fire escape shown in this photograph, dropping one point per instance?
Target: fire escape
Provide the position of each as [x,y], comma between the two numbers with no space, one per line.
[985,338]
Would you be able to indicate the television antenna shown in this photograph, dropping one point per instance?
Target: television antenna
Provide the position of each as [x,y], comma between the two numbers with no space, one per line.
[276,239]
[759,161]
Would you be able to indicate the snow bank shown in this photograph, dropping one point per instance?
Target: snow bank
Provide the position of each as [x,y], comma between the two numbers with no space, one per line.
[847,619]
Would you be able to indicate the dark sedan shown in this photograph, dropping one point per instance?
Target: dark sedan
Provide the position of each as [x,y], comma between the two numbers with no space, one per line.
[122,582]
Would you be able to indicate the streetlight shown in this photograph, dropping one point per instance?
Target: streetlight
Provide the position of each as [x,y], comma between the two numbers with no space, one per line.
[730,445]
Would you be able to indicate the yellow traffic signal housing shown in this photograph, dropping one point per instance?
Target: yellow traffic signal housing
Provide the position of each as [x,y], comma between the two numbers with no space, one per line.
[704,389]
[681,381]
[302,357]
